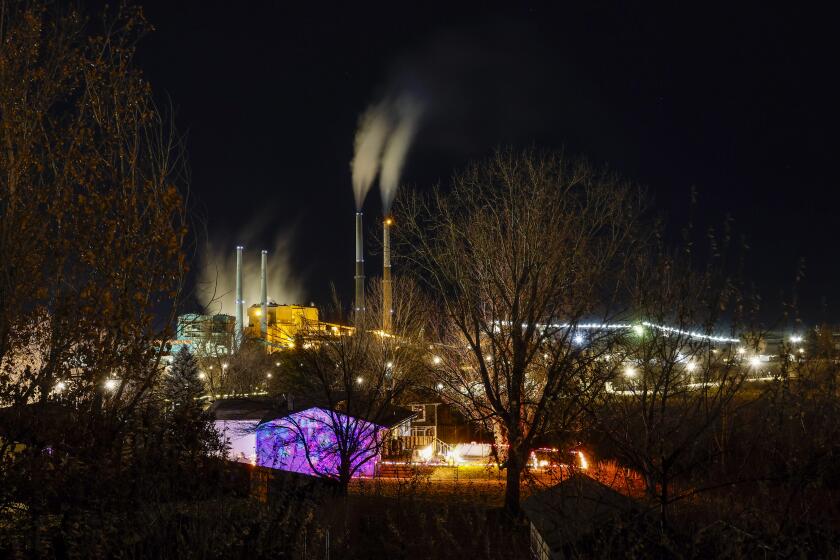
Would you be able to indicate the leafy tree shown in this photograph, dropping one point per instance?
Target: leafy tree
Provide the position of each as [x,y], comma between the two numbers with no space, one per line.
[92,237]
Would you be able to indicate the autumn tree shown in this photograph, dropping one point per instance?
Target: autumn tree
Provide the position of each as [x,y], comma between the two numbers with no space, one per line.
[518,252]
[92,230]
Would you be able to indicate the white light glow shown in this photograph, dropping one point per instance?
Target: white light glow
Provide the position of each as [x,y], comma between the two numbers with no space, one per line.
[796,339]
[629,371]
[690,366]
[436,360]
[111,384]
[755,361]
[584,464]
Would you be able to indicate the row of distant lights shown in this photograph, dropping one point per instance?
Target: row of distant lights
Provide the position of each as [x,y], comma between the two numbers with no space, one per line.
[755,361]
[638,328]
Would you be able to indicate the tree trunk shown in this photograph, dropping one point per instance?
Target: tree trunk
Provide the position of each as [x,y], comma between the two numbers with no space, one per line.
[514,472]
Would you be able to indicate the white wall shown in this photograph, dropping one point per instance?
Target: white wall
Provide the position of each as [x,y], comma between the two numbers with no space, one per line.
[241,437]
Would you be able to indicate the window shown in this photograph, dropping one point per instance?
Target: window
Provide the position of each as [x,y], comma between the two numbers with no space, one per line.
[420,409]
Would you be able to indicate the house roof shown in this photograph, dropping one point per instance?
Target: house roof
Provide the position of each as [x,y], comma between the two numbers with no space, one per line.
[575,508]
[266,409]
[247,409]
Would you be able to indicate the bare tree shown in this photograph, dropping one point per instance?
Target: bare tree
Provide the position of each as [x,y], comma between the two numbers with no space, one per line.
[520,251]
[674,377]
[355,380]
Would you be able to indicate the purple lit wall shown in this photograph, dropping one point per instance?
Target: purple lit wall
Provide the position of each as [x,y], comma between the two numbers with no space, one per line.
[314,440]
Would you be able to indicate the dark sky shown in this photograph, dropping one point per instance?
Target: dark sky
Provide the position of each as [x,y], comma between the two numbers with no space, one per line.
[738,102]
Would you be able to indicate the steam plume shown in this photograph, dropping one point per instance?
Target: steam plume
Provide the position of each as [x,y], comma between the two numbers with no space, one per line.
[374,127]
[408,112]
[383,139]
[216,283]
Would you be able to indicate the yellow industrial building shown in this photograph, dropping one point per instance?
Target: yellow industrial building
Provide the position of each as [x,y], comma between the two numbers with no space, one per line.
[284,323]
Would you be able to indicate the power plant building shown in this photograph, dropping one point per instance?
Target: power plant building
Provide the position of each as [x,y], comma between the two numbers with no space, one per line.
[208,335]
[282,324]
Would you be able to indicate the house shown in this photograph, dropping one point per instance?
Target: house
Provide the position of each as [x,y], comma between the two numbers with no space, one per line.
[566,519]
[314,440]
[236,420]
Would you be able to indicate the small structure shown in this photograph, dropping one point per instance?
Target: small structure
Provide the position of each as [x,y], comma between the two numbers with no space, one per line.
[313,441]
[236,420]
[567,517]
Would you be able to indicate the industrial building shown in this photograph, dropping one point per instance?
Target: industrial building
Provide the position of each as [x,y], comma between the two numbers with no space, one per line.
[206,335]
[279,325]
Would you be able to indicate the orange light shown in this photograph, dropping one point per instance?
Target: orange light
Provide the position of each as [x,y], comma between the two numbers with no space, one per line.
[388,221]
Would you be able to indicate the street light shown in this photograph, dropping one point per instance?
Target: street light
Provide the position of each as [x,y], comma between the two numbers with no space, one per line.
[111,384]
[629,371]
[796,339]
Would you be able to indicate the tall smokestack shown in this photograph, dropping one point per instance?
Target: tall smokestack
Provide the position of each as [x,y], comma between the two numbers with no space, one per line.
[387,305]
[239,300]
[360,267]
[264,294]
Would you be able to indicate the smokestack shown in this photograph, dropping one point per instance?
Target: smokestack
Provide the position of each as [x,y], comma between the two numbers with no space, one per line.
[387,306]
[239,301]
[360,267]
[264,294]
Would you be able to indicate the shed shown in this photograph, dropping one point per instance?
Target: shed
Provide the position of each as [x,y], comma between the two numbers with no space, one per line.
[568,514]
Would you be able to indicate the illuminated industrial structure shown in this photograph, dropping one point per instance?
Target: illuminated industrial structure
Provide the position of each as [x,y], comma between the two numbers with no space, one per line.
[283,324]
[208,335]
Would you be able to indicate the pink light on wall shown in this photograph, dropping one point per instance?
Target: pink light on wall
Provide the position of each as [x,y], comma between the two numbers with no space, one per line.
[316,441]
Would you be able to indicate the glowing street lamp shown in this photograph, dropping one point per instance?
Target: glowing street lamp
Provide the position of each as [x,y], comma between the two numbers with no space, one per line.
[638,330]
[690,366]
[436,360]
[111,384]
[630,371]
[796,339]
[755,361]
[60,386]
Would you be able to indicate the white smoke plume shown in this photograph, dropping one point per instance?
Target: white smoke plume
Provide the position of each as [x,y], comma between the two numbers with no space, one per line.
[383,139]
[216,289]
[408,111]
[374,127]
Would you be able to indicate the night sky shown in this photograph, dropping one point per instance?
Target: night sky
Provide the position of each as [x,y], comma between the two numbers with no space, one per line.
[739,103]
